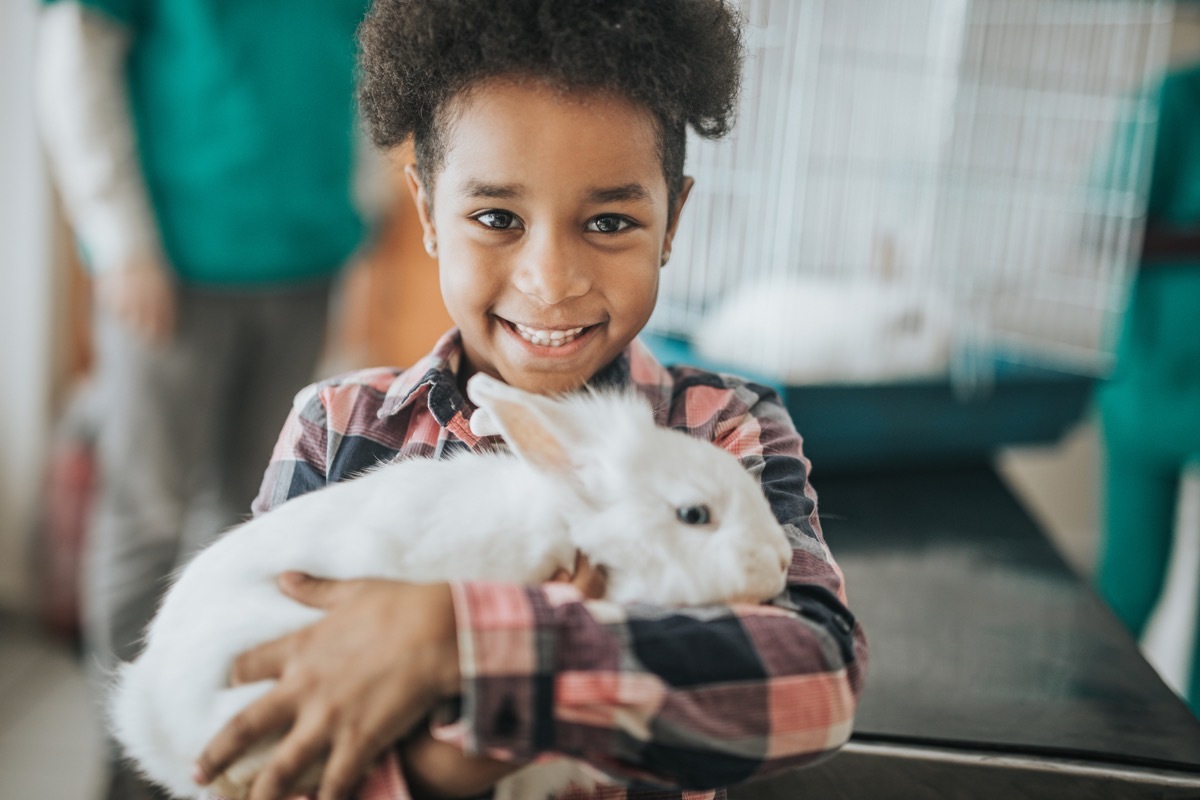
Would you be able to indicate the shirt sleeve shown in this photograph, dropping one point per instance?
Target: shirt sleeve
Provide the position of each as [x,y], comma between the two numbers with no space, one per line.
[1175,135]
[689,697]
[124,11]
[299,461]
[87,130]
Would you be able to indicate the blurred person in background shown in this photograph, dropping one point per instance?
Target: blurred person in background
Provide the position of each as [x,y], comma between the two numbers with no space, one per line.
[205,154]
[1150,409]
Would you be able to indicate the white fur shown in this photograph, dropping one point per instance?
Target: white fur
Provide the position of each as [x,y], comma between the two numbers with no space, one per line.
[812,330]
[592,472]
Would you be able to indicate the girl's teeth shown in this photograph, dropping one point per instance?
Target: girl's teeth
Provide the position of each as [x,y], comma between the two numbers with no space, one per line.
[544,338]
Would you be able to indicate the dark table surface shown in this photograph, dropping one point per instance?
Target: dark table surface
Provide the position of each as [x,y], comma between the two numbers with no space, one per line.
[985,646]
[980,634]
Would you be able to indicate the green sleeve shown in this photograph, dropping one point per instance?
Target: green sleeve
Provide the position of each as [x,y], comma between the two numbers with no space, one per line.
[123,11]
[1155,147]
[1175,179]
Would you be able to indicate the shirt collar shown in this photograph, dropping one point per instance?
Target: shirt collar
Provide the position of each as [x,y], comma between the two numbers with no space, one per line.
[434,377]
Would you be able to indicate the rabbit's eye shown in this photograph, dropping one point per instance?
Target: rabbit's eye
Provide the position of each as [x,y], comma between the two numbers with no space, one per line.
[693,515]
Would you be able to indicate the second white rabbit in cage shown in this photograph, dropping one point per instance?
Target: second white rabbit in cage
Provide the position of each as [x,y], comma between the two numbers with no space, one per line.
[803,330]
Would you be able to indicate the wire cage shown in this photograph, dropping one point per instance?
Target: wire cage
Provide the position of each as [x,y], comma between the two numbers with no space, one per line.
[921,188]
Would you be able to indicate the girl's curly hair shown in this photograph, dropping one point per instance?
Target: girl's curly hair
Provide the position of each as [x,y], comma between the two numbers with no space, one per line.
[680,58]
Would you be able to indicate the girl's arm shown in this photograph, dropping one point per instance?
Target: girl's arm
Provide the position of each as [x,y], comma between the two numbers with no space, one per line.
[436,770]
[692,697]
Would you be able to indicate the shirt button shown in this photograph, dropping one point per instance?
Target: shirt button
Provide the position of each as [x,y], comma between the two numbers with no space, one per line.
[507,722]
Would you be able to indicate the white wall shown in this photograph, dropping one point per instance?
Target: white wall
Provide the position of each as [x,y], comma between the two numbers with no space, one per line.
[26,302]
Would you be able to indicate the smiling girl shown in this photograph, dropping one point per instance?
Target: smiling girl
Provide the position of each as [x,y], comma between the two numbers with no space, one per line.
[549,138]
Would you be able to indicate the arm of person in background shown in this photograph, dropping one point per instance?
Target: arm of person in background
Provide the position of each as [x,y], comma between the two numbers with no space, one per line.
[86,125]
[691,697]
[1172,235]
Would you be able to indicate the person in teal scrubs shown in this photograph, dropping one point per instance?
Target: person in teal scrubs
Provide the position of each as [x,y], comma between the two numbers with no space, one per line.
[1150,408]
[205,152]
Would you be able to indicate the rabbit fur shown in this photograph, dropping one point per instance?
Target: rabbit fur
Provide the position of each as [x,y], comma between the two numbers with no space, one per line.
[815,330]
[590,471]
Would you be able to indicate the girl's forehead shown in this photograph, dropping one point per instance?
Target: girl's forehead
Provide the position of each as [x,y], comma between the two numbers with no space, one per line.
[535,104]
[507,130]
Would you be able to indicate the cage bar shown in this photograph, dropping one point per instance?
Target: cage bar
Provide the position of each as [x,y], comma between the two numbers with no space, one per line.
[966,178]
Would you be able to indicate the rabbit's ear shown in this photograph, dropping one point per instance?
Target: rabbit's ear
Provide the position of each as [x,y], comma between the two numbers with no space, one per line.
[539,430]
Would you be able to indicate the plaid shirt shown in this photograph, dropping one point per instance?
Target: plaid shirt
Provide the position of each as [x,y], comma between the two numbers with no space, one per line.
[684,696]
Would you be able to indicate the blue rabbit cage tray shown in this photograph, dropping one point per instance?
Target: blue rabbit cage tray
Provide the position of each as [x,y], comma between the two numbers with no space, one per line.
[919,422]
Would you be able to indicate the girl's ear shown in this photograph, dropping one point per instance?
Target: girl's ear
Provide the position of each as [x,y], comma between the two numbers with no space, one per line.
[422,199]
[539,430]
[673,222]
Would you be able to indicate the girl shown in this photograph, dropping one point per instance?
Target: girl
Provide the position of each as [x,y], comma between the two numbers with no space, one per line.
[549,139]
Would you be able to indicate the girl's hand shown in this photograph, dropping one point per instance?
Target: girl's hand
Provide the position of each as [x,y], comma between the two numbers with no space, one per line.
[349,686]
[592,582]
[436,769]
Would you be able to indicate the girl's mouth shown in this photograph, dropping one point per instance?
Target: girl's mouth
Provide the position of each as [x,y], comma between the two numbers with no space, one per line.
[548,338]
[552,338]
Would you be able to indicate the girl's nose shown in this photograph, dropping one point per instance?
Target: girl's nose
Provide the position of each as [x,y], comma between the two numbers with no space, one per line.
[552,271]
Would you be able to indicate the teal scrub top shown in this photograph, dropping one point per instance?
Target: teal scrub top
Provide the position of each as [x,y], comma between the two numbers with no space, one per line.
[244,114]
[1155,387]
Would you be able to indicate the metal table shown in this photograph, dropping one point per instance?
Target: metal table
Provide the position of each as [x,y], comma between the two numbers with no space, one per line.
[995,671]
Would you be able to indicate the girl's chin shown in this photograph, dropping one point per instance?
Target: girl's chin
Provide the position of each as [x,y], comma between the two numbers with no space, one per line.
[544,383]
[551,374]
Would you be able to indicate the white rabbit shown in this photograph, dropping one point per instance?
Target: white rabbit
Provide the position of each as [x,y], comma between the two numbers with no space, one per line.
[805,330]
[674,519]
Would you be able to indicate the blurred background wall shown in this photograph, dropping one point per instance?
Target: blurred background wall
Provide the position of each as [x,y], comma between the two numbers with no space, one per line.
[28,323]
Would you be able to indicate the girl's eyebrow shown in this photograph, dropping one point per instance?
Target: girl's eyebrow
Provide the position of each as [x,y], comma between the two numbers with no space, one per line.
[618,194]
[492,191]
[627,192]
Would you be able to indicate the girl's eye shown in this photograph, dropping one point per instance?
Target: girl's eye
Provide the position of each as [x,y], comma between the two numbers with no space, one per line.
[497,220]
[608,223]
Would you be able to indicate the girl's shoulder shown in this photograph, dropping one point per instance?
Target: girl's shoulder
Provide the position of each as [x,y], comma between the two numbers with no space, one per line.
[709,404]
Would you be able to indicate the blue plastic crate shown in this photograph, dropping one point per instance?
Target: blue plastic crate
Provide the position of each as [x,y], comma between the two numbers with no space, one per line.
[918,422]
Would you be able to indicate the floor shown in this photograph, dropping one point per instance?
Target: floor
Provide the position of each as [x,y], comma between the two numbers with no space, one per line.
[50,745]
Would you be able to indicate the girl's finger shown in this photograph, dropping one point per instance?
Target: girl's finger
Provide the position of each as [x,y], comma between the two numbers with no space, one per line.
[300,752]
[314,592]
[591,581]
[267,715]
[262,663]
[348,764]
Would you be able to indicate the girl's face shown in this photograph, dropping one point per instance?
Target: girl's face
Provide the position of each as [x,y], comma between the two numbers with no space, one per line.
[551,224]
